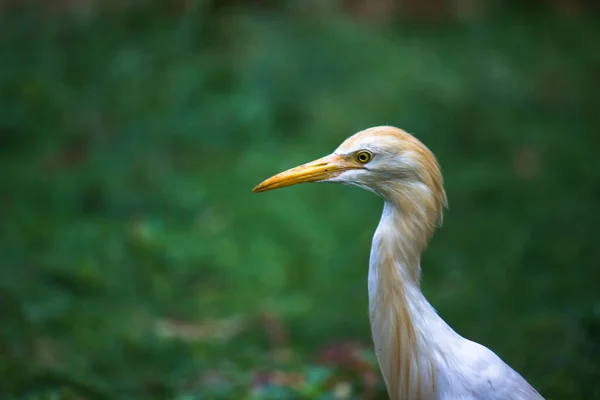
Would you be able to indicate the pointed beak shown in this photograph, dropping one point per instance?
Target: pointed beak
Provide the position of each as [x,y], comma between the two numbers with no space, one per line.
[319,170]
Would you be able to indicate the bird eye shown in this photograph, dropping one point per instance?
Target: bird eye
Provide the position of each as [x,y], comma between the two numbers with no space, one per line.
[363,156]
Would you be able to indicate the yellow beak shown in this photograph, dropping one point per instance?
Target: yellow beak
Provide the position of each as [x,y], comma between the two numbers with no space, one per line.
[318,170]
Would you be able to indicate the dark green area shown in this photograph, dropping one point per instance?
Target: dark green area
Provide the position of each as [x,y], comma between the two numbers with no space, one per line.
[129,143]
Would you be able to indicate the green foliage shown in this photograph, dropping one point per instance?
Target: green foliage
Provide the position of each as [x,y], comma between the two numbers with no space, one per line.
[136,263]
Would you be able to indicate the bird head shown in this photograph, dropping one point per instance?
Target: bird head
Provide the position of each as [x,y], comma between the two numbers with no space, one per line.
[385,160]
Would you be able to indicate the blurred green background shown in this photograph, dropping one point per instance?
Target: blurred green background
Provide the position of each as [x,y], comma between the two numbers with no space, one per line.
[137,264]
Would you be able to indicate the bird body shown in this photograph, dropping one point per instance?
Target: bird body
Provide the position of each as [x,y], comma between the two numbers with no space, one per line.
[420,356]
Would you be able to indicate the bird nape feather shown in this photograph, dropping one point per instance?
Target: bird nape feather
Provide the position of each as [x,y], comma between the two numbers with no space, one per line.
[420,356]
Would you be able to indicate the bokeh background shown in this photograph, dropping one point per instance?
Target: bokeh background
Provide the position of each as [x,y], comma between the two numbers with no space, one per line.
[137,264]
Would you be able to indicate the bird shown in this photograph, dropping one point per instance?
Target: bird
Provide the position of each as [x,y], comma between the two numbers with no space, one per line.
[420,356]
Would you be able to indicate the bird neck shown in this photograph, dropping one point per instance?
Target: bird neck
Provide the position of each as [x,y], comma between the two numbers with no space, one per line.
[402,320]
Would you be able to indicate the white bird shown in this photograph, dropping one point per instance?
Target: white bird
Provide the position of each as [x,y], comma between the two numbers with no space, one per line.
[420,356]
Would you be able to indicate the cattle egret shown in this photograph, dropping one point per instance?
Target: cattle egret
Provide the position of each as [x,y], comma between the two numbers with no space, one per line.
[420,356]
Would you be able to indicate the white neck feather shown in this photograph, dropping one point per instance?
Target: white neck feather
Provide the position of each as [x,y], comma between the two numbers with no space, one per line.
[409,336]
